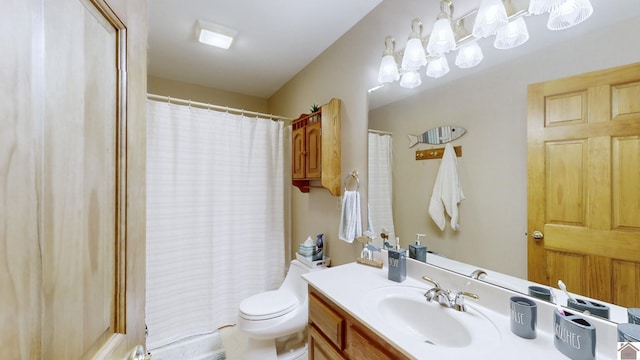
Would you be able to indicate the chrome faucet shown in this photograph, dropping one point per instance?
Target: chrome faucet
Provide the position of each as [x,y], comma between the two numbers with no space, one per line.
[445,298]
[477,273]
[439,295]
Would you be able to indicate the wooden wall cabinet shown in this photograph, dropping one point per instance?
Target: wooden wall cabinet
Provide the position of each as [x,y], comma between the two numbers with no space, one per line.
[316,149]
[336,335]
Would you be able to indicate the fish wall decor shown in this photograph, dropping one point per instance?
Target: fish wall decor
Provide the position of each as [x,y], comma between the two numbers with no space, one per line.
[437,136]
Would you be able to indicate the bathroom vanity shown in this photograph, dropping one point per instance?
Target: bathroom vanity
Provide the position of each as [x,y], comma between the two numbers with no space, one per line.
[334,334]
[355,312]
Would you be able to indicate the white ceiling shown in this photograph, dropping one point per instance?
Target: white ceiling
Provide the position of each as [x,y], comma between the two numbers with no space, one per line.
[278,38]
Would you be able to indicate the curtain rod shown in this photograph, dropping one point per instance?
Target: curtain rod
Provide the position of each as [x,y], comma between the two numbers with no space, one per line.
[380,132]
[171,100]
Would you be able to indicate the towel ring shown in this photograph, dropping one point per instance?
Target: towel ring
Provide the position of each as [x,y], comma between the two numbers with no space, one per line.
[350,178]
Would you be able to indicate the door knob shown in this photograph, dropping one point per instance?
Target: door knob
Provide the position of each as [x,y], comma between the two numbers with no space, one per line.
[537,235]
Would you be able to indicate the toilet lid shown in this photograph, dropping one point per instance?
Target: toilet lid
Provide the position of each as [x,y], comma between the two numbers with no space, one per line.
[268,305]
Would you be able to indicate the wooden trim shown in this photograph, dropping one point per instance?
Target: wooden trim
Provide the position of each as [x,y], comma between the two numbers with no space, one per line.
[437,153]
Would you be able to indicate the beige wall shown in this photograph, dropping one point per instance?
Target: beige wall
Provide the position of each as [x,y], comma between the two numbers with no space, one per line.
[176,89]
[334,74]
[490,105]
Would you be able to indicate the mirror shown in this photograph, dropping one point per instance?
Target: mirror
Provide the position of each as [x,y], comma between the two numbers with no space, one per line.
[491,104]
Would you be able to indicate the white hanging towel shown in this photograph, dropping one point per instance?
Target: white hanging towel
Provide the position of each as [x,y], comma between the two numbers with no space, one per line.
[350,219]
[447,190]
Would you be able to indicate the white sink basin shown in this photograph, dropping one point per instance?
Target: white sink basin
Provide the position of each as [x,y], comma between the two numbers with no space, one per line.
[405,310]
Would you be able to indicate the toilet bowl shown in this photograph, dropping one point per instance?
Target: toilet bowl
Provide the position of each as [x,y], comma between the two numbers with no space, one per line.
[276,314]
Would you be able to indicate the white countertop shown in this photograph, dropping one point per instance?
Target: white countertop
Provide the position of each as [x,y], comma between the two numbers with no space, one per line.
[346,285]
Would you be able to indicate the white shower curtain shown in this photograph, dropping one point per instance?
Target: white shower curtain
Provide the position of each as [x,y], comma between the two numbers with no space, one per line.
[380,193]
[215,217]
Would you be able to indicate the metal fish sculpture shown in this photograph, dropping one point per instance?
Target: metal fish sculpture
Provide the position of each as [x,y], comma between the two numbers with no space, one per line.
[437,136]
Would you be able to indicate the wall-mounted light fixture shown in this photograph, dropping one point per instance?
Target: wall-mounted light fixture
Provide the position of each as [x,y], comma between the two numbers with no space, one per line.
[492,17]
[214,34]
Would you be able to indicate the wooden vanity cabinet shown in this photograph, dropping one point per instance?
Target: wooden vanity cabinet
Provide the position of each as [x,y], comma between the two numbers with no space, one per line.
[336,335]
[316,150]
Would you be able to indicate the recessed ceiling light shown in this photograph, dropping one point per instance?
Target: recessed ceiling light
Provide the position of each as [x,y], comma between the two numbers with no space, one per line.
[214,34]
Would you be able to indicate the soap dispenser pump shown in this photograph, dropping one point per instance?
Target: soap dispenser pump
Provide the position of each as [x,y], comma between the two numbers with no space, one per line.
[418,251]
[397,263]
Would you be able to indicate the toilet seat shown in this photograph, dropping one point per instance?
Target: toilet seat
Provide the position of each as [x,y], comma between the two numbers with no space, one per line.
[268,305]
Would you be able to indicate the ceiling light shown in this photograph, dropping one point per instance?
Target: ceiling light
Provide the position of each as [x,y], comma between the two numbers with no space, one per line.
[438,67]
[469,55]
[493,17]
[414,55]
[569,13]
[410,79]
[388,67]
[442,39]
[214,34]
[513,34]
[537,7]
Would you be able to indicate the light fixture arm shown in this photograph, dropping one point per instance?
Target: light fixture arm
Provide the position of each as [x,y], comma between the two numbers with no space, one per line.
[443,14]
[389,45]
[416,34]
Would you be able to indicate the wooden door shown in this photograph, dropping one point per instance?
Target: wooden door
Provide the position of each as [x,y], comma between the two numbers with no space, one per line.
[313,158]
[298,152]
[584,184]
[72,165]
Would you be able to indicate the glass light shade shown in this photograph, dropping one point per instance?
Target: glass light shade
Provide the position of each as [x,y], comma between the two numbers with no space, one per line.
[410,79]
[442,39]
[491,15]
[438,67]
[570,13]
[512,35]
[469,55]
[414,56]
[388,70]
[537,7]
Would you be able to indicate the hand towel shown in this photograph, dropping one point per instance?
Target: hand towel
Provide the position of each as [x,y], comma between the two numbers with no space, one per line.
[350,219]
[447,190]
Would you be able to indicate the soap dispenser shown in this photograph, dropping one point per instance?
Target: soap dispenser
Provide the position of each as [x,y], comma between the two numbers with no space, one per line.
[418,251]
[397,263]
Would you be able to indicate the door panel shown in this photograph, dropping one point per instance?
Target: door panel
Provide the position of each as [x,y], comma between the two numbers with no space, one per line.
[584,183]
[72,157]
[79,177]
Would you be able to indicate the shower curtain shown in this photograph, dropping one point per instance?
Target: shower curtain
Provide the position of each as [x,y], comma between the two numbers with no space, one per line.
[380,193]
[215,217]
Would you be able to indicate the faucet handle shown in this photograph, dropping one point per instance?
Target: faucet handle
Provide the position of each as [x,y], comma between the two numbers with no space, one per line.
[458,301]
[477,273]
[435,283]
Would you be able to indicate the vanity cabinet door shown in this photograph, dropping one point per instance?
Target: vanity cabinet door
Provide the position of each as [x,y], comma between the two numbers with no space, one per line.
[363,347]
[319,348]
[334,334]
[330,323]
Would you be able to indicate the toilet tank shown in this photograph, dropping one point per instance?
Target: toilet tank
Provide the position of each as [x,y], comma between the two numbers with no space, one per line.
[294,282]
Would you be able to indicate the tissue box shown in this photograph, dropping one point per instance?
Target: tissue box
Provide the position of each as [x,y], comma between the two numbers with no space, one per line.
[306,250]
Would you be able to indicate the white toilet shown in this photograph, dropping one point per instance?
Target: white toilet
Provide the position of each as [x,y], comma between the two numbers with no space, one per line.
[277,316]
